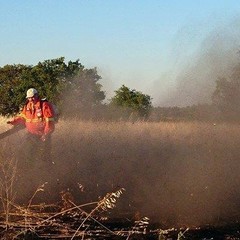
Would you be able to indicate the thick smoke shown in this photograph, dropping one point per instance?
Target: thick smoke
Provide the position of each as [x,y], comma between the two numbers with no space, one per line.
[176,174]
[192,78]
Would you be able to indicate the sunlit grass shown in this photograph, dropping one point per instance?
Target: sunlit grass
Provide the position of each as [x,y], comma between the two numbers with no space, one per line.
[3,123]
[174,171]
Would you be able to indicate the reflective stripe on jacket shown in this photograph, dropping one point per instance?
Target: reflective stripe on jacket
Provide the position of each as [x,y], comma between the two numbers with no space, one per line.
[38,117]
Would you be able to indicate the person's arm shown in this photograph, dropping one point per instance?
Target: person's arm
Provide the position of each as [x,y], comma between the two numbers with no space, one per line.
[48,114]
[19,119]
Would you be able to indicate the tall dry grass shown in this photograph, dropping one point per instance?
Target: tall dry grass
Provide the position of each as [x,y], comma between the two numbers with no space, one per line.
[173,172]
[3,125]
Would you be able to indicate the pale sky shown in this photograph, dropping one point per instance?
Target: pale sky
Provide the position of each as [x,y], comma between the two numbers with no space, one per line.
[151,46]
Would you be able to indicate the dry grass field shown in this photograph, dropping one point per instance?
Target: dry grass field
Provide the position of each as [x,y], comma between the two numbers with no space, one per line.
[184,173]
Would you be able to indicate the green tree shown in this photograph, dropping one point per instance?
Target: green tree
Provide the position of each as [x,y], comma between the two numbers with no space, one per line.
[54,79]
[10,83]
[82,95]
[132,102]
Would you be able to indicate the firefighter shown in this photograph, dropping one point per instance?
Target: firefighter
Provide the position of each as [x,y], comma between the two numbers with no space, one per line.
[38,117]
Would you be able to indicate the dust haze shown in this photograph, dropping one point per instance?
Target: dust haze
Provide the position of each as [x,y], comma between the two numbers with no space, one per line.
[174,173]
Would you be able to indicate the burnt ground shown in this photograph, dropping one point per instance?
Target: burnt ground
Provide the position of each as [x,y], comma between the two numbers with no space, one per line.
[77,222]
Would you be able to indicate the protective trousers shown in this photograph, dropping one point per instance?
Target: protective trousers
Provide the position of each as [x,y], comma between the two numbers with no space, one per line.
[36,149]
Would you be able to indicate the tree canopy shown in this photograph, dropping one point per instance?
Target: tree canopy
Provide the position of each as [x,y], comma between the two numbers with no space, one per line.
[55,80]
[78,93]
[132,102]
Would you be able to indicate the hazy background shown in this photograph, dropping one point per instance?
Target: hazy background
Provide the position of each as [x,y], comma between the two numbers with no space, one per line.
[163,48]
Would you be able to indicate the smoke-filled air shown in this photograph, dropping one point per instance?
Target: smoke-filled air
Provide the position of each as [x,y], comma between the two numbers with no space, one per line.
[192,76]
[175,173]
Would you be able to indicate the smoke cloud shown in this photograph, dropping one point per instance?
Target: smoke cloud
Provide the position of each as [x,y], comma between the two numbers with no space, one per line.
[193,75]
[174,173]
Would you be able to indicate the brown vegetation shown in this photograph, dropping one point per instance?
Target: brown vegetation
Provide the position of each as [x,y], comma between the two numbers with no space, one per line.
[175,173]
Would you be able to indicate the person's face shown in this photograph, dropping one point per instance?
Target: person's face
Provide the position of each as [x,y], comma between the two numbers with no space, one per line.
[32,99]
